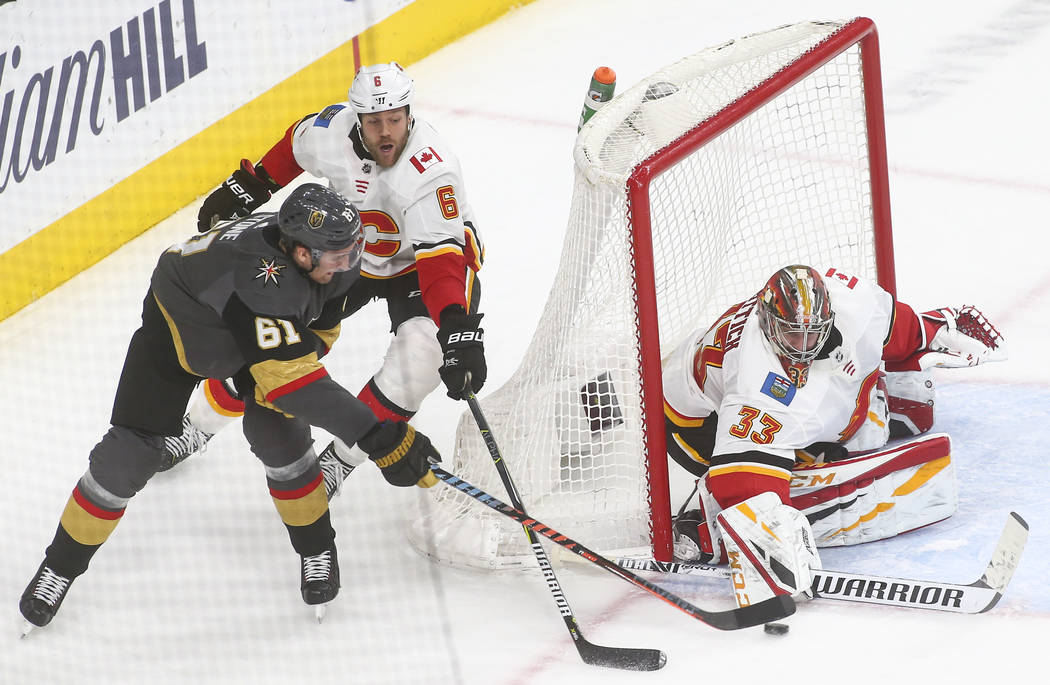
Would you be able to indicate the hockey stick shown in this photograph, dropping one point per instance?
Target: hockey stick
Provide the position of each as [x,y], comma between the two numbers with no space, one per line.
[973,598]
[772,609]
[626,658]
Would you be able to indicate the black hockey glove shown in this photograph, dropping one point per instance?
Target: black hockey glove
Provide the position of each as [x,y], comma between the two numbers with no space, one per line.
[823,453]
[402,454]
[247,189]
[463,351]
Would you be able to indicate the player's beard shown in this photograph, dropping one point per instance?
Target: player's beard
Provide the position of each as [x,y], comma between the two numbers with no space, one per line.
[387,158]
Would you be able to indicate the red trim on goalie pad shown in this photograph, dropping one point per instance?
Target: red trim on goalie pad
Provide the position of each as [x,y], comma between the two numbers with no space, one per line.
[730,489]
[752,559]
[922,452]
[920,414]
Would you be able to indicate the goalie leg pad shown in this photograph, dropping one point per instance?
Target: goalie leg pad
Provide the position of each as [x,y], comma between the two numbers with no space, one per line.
[770,548]
[879,495]
[911,401]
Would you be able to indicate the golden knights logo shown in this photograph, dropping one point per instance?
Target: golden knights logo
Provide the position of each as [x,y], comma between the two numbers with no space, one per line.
[316,219]
[269,271]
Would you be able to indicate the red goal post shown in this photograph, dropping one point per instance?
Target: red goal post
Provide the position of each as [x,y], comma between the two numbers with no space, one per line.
[691,188]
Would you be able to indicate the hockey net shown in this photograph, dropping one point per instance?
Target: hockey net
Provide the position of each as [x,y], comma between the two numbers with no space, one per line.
[690,189]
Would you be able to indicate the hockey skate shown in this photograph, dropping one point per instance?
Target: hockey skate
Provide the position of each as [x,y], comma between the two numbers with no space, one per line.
[42,598]
[334,470]
[179,447]
[320,580]
[686,538]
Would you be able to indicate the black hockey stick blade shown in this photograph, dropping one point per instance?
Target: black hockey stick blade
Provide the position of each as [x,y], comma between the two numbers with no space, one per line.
[772,609]
[623,658]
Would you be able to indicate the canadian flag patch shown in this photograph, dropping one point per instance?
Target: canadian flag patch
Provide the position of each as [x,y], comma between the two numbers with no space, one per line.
[424,159]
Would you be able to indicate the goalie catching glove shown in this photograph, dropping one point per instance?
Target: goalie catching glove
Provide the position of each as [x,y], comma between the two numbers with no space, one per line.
[956,338]
[247,189]
[463,351]
[402,454]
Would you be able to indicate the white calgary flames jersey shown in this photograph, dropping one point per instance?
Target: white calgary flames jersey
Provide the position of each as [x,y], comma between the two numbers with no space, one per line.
[731,369]
[417,206]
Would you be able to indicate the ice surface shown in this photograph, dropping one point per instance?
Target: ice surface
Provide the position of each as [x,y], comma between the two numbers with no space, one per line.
[198,583]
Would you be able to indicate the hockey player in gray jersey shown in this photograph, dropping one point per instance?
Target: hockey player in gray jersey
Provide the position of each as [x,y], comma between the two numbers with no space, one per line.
[422,248]
[259,300]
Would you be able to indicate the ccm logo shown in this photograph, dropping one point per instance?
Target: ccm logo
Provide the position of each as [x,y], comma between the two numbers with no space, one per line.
[467,336]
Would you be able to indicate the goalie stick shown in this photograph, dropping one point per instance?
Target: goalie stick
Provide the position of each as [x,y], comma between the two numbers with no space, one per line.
[974,598]
[772,609]
[626,658]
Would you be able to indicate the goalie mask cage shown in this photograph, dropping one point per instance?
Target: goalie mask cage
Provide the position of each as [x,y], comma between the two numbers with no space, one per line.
[691,188]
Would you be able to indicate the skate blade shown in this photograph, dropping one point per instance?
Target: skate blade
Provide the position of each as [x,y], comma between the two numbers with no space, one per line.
[320,610]
[27,628]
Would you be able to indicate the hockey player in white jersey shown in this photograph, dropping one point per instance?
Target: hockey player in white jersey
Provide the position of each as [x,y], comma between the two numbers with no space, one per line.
[794,374]
[422,249]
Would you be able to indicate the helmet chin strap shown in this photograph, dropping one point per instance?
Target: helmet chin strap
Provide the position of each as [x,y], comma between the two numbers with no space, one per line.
[315,257]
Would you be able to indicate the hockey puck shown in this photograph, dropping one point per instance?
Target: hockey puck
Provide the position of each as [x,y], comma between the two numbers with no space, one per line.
[776,628]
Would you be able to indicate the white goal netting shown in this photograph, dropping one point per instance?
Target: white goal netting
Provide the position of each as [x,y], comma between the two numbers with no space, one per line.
[744,184]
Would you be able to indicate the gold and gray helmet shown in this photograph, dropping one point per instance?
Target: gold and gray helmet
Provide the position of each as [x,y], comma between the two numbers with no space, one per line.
[321,220]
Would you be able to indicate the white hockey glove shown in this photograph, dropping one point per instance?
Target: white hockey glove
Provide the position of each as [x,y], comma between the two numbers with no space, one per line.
[959,337]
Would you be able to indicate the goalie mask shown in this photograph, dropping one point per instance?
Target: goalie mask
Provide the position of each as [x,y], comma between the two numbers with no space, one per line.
[796,318]
[380,87]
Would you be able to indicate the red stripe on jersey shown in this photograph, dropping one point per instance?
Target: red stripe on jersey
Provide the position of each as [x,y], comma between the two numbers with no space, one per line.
[381,410]
[280,162]
[905,340]
[860,408]
[442,281]
[300,492]
[216,390]
[95,511]
[732,488]
[300,382]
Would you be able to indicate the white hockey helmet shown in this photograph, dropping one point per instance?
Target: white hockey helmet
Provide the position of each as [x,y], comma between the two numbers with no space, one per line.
[380,87]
